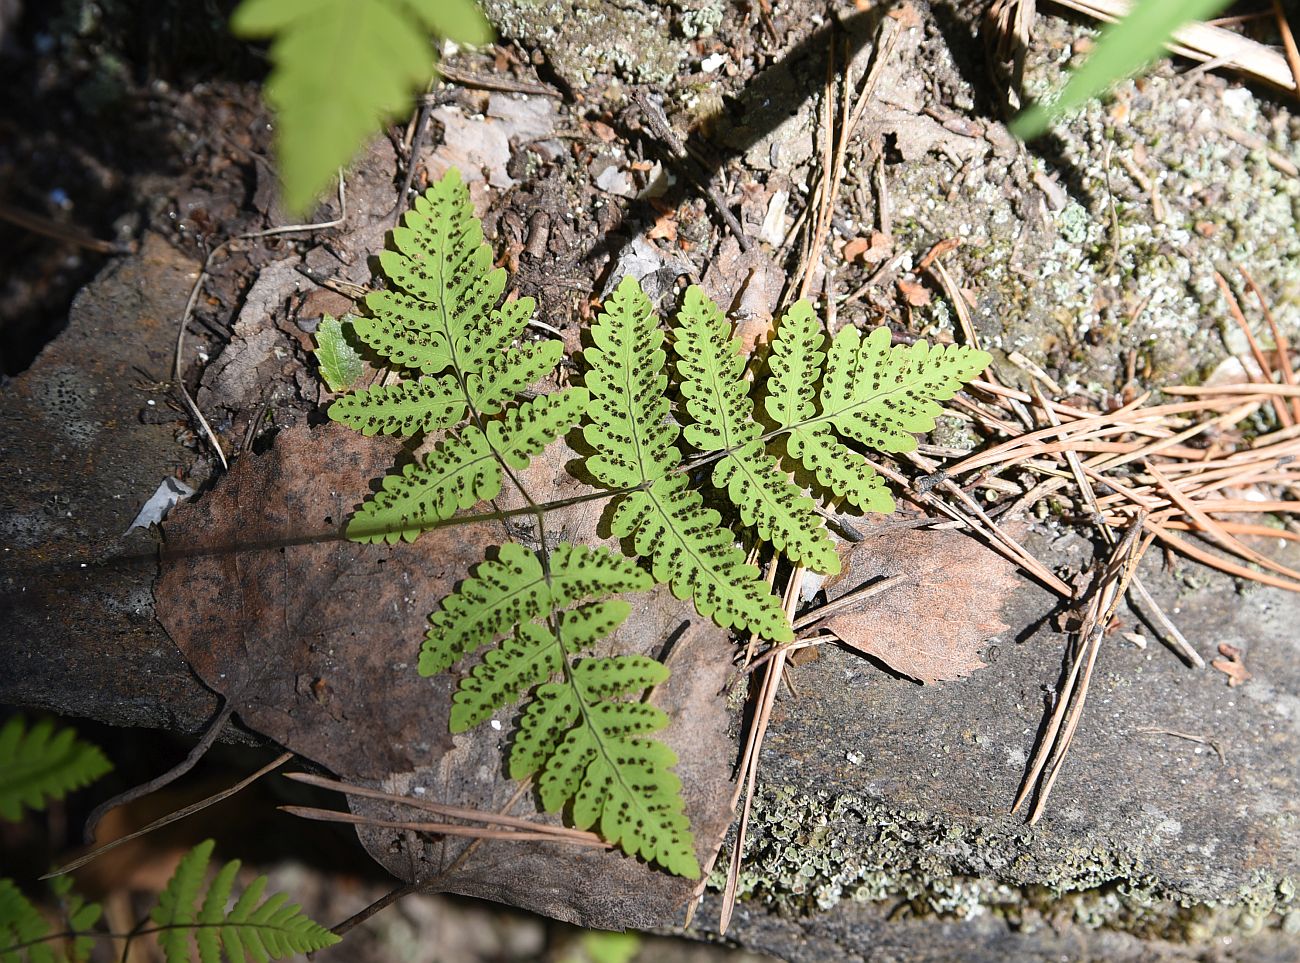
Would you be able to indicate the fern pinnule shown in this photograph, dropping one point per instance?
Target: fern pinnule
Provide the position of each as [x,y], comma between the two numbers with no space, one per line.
[716,393]
[270,929]
[795,362]
[463,471]
[40,764]
[635,447]
[515,588]
[407,408]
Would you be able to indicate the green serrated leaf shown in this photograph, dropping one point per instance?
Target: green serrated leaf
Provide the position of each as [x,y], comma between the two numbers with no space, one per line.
[341,68]
[1123,48]
[407,408]
[883,396]
[340,363]
[633,438]
[712,373]
[21,924]
[41,764]
[273,929]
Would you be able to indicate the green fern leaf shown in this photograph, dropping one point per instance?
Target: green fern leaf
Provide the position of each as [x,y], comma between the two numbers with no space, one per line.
[883,396]
[795,362]
[717,397]
[870,392]
[407,408]
[634,442]
[513,589]
[273,929]
[840,469]
[463,471]
[22,928]
[40,764]
[503,376]
[340,69]
[590,748]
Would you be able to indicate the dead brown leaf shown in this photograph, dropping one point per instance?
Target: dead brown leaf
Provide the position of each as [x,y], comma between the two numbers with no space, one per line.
[1232,665]
[917,295]
[932,625]
[314,640]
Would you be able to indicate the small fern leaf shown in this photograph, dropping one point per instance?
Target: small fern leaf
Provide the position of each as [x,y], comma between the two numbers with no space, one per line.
[513,589]
[175,915]
[442,259]
[407,408]
[506,591]
[839,469]
[883,396]
[579,572]
[634,442]
[781,513]
[502,376]
[270,930]
[712,373]
[458,473]
[529,427]
[795,362]
[40,764]
[531,657]
[405,331]
[484,340]
[528,659]
[22,925]
[619,781]
[693,552]
[629,427]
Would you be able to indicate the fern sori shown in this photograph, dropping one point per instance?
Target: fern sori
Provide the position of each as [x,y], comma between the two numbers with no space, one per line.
[581,733]
[441,320]
[875,394]
[635,448]
[40,764]
[271,929]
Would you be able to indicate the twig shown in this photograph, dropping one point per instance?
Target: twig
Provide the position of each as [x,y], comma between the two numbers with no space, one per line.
[1223,761]
[503,84]
[653,113]
[540,833]
[171,775]
[856,597]
[170,818]
[177,377]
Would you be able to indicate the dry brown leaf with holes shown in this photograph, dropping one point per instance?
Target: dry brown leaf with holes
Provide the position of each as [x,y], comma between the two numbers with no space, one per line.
[933,624]
[1231,665]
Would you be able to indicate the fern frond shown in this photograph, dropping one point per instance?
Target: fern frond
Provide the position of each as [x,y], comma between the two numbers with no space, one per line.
[634,442]
[502,376]
[840,469]
[875,394]
[590,747]
[712,369]
[463,471]
[407,408]
[22,925]
[273,929]
[40,764]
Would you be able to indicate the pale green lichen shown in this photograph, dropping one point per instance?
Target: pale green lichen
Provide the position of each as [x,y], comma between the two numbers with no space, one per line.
[808,851]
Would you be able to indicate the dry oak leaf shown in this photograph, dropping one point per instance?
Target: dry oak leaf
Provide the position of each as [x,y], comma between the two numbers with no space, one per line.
[931,625]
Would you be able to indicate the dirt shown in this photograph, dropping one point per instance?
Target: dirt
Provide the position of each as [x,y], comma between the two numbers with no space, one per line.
[1100,272]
